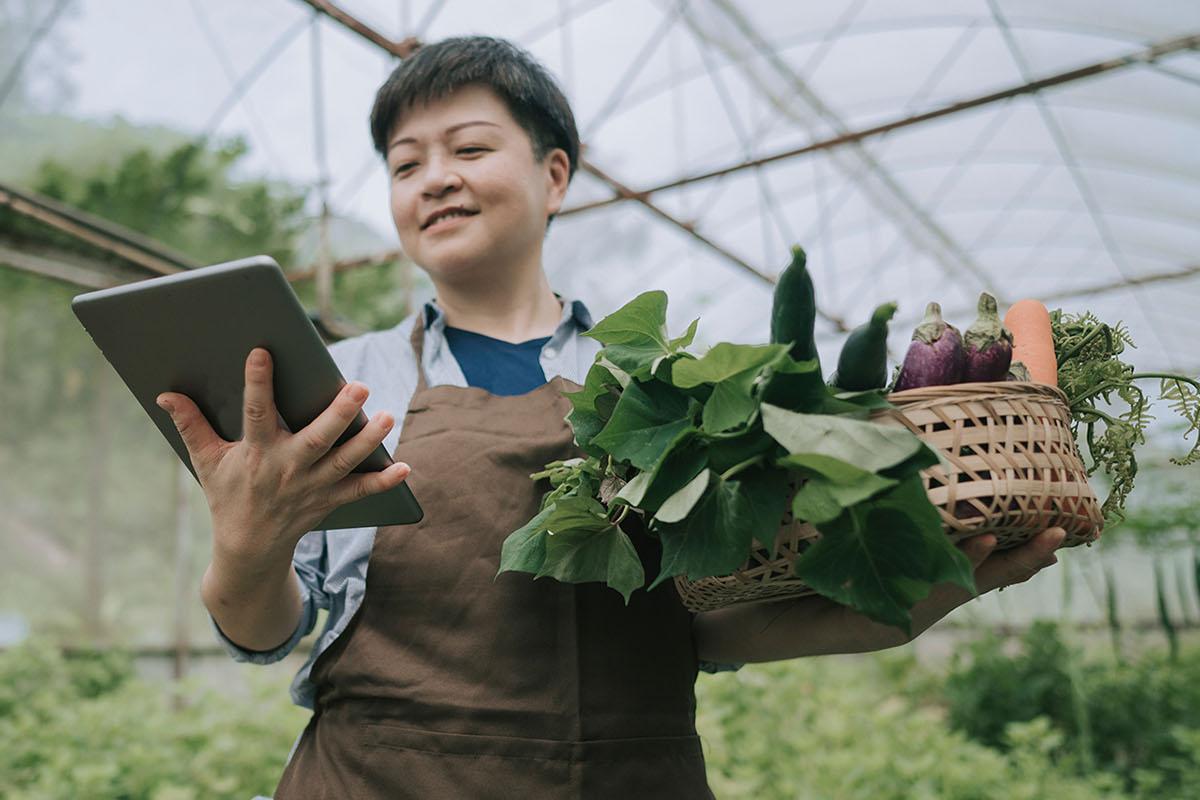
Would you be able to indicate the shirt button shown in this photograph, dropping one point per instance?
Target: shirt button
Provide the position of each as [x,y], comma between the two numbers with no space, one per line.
[551,352]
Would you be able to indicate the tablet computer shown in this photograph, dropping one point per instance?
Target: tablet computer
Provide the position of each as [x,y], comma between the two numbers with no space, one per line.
[191,332]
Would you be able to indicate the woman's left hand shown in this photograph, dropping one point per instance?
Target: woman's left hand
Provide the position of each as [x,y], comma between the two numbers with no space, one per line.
[994,570]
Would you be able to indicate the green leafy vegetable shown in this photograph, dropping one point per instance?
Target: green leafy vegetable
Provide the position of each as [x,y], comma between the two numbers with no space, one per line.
[883,558]
[866,445]
[646,420]
[1108,407]
[712,450]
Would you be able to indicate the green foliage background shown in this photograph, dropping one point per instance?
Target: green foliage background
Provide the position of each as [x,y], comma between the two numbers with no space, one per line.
[995,724]
[89,485]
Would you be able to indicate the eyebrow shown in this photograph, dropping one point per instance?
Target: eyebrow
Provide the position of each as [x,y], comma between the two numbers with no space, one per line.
[451,129]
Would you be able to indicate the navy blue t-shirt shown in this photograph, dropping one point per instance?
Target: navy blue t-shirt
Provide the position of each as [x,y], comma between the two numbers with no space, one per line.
[498,366]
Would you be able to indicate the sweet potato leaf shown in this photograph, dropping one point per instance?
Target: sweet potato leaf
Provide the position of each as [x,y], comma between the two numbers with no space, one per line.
[603,553]
[796,386]
[715,539]
[599,383]
[828,467]
[821,500]
[884,555]
[641,321]
[638,359]
[725,361]
[680,342]
[877,571]
[863,444]
[646,420]
[729,405]
[524,550]
[679,504]
[727,452]
[944,562]
[684,459]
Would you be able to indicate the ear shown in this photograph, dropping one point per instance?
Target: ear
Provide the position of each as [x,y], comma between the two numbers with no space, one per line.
[558,175]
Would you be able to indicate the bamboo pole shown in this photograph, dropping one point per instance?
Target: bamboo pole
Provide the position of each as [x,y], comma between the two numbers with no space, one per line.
[95,521]
[181,514]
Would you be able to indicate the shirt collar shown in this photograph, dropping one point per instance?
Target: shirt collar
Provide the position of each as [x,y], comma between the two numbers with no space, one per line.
[574,311]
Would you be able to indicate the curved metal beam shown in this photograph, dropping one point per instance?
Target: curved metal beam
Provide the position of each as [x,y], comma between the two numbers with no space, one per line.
[1144,56]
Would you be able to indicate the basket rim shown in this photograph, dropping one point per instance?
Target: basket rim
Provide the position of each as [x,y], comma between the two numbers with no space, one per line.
[953,391]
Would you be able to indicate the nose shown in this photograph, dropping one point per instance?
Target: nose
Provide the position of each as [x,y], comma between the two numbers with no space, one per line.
[439,178]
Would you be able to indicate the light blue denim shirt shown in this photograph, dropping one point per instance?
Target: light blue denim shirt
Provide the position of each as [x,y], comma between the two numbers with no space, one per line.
[332,566]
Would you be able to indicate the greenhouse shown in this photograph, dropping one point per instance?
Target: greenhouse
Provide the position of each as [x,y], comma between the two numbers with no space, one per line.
[727,151]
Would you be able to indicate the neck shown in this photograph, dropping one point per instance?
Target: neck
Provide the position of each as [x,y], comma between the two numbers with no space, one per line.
[516,309]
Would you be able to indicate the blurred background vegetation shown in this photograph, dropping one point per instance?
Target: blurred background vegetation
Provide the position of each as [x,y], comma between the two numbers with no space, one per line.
[1084,684]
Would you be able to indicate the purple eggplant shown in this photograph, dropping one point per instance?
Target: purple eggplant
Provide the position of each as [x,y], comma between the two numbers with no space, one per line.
[935,357]
[987,344]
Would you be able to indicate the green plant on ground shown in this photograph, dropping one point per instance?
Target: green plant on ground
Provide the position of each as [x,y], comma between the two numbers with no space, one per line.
[86,727]
[1136,720]
[838,728]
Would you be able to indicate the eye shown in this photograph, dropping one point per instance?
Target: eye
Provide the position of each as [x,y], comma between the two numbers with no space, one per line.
[471,150]
[403,168]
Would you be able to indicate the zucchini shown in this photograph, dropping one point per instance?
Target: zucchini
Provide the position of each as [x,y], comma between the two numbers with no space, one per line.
[794,309]
[862,364]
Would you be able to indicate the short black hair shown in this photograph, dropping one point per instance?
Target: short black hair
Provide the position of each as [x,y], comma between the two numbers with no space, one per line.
[527,88]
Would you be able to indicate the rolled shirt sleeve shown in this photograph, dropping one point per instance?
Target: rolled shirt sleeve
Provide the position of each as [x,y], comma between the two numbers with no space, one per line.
[308,565]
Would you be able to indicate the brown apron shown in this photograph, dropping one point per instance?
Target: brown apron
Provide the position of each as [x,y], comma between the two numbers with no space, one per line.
[453,682]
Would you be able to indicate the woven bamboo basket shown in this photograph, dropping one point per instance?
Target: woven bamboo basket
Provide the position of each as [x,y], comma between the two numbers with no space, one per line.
[1010,468]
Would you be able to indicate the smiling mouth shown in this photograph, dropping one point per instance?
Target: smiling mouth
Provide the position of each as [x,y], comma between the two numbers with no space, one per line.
[456,214]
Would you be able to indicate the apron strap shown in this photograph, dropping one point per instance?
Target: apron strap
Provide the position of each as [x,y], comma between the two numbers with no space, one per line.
[417,340]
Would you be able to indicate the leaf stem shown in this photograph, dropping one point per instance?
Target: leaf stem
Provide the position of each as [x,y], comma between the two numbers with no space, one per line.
[1092,410]
[1136,376]
[1100,330]
[1166,376]
[736,468]
[616,523]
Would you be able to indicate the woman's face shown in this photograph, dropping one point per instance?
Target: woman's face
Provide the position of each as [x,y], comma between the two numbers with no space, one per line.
[468,198]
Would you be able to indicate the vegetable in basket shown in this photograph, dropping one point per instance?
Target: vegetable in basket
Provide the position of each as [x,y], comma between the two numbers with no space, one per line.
[1110,411]
[987,345]
[862,364]
[1033,340]
[794,309]
[707,450]
[935,357]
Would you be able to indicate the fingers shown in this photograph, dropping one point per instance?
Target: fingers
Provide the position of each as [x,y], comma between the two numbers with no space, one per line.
[260,420]
[358,486]
[341,461]
[1021,563]
[201,441]
[978,548]
[322,433]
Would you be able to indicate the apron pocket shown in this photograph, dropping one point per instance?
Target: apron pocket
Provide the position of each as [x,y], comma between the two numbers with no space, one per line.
[407,763]
[436,764]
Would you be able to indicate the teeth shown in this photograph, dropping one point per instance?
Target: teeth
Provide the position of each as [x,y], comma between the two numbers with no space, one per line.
[448,214]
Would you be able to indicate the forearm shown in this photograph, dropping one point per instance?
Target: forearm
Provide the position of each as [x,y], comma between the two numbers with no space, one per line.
[815,626]
[808,626]
[257,606]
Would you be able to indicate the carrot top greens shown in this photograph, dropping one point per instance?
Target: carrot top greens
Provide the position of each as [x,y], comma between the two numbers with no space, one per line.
[1107,403]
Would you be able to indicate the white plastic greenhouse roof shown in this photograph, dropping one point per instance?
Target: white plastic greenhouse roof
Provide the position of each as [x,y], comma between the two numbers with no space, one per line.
[1086,193]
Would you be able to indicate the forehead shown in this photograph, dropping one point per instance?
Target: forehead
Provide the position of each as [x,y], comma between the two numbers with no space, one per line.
[425,121]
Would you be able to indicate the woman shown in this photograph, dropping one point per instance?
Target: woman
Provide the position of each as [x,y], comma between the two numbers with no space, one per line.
[436,678]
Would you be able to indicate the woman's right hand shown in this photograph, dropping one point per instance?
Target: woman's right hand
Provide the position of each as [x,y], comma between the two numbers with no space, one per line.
[269,488]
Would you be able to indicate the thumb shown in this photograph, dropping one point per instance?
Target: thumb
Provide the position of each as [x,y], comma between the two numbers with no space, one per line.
[201,441]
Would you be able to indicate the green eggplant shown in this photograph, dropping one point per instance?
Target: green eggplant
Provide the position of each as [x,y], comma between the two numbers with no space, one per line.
[862,364]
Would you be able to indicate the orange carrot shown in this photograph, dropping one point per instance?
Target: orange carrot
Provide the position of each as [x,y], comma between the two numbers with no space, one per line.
[1033,344]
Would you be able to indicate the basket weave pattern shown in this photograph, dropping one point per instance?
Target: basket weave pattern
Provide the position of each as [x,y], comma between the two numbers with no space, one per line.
[1010,468]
